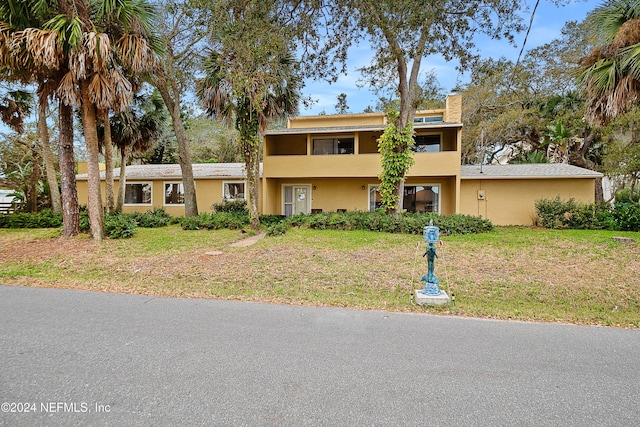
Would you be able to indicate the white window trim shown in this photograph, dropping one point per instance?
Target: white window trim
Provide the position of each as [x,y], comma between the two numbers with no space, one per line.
[309,200]
[410,185]
[224,199]
[140,182]
[164,193]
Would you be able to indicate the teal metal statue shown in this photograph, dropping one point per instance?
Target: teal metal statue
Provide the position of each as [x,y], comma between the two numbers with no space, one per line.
[431,235]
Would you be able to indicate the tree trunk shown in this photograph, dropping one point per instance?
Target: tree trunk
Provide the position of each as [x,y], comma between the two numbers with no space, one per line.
[184,152]
[49,165]
[599,196]
[70,208]
[93,164]
[108,162]
[34,179]
[252,166]
[122,180]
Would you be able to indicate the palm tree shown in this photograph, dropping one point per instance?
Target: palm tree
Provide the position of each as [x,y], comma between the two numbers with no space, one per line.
[263,92]
[84,51]
[16,17]
[610,75]
[559,139]
[135,133]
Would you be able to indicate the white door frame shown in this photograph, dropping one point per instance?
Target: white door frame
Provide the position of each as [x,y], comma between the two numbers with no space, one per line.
[293,187]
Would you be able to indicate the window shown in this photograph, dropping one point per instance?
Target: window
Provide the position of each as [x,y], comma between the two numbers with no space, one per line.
[422,198]
[428,119]
[233,191]
[173,193]
[138,193]
[333,146]
[417,198]
[427,143]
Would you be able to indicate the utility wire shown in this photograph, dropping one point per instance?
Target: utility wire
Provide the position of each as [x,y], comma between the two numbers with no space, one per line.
[524,43]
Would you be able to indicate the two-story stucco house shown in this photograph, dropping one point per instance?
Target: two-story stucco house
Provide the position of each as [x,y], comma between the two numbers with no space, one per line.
[331,163]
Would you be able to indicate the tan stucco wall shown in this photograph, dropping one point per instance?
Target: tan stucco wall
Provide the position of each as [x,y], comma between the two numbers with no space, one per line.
[208,192]
[453,109]
[332,120]
[347,193]
[512,201]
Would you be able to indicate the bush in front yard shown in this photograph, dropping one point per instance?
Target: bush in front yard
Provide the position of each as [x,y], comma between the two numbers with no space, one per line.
[556,213]
[43,219]
[117,226]
[627,216]
[215,221]
[158,217]
[409,223]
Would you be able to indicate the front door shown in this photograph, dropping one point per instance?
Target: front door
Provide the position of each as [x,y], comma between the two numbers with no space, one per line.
[297,199]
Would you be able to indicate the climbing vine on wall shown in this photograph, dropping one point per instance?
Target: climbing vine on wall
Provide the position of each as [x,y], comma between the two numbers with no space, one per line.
[395,147]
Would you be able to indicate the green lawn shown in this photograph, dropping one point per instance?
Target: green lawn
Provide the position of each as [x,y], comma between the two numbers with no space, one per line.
[583,277]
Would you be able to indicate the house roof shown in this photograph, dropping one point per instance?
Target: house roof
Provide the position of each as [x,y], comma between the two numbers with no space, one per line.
[237,171]
[530,170]
[361,128]
[200,171]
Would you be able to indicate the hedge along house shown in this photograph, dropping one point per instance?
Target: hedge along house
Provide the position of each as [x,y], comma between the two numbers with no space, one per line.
[152,186]
[331,163]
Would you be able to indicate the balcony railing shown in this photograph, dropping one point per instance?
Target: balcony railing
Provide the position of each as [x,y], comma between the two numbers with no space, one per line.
[355,165]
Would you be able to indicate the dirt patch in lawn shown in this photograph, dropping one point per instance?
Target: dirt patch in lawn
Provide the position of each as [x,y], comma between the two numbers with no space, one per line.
[580,277]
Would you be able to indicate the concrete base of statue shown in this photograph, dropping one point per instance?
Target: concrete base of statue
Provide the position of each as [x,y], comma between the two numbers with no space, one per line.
[422,299]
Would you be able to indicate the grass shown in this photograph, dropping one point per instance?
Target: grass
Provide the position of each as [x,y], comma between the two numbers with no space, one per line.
[582,277]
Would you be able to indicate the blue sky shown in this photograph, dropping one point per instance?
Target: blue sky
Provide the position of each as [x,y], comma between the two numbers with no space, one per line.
[547,25]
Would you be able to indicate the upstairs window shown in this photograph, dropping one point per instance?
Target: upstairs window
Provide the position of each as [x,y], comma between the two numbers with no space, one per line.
[428,119]
[333,146]
[427,143]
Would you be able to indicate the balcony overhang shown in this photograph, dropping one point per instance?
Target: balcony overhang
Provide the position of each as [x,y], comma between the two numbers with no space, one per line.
[363,128]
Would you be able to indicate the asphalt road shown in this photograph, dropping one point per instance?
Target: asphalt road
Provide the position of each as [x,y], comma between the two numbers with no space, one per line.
[82,358]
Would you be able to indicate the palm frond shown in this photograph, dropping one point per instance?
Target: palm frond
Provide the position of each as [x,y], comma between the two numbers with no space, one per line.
[98,49]
[67,89]
[135,53]
[101,91]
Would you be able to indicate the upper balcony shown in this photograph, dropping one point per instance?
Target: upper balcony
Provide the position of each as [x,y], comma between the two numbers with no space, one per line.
[352,151]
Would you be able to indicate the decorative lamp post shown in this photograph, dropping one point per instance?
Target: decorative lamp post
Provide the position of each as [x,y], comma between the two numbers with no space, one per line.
[431,293]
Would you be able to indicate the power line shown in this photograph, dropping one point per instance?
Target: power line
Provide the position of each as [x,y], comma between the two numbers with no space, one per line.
[528,30]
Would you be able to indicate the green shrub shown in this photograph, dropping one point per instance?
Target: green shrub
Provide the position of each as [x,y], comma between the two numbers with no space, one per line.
[277,229]
[43,219]
[298,220]
[554,213]
[158,217]
[117,226]
[215,221]
[625,196]
[84,219]
[627,216]
[269,220]
[410,223]
[593,216]
[190,223]
[233,206]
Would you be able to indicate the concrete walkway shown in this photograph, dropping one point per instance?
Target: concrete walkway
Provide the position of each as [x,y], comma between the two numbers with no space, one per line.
[82,358]
[247,241]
